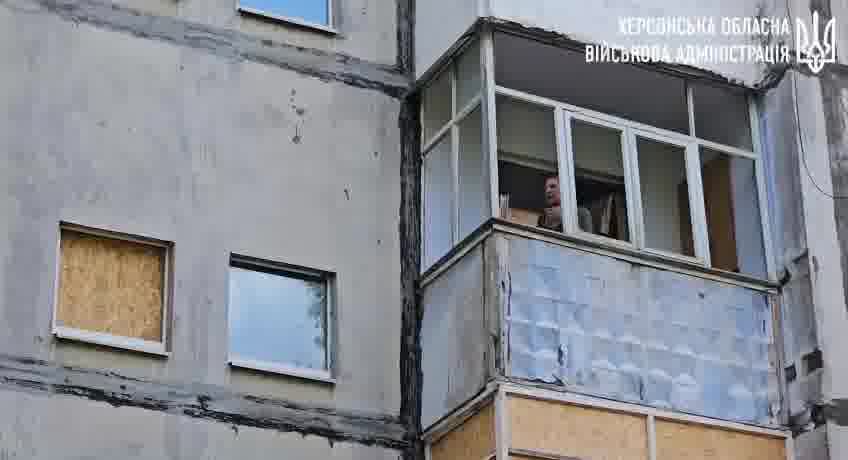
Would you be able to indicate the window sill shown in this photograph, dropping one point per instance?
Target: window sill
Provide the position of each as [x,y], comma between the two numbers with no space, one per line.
[113,341]
[325,29]
[282,369]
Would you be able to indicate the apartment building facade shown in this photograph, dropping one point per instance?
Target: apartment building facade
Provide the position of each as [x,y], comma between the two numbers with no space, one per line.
[390,228]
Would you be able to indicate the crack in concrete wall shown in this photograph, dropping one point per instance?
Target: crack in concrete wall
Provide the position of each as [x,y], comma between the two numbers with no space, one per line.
[224,42]
[202,401]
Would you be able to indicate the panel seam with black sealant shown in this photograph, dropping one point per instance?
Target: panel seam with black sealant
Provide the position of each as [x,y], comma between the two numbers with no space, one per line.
[227,43]
[207,402]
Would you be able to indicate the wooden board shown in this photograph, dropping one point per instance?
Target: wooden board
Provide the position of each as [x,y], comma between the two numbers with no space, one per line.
[680,441]
[524,216]
[111,286]
[718,203]
[473,440]
[571,431]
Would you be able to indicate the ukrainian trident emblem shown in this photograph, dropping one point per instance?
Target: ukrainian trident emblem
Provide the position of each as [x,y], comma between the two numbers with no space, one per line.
[817,49]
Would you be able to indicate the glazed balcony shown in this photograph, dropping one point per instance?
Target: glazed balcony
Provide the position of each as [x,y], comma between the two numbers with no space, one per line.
[651,283]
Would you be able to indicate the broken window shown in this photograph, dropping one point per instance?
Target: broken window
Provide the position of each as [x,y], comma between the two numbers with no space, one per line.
[613,153]
[664,193]
[599,179]
[649,159]
[721,115]
[529,189]
[279,318]
[306,12]
[473,180]
[112,289]
[438,202]
[468,78]
[436,106]
[622,90]
[732,208]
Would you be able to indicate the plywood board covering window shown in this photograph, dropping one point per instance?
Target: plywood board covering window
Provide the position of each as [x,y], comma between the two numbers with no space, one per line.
[111,286]
[474,439]
[681,441]
[574,431]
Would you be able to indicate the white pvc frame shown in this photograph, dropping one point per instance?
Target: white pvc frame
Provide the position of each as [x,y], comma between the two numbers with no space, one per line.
[564,113]
[452,129]
[104,338]
[325,375]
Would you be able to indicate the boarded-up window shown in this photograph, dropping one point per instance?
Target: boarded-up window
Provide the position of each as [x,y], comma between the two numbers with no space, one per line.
[110,287]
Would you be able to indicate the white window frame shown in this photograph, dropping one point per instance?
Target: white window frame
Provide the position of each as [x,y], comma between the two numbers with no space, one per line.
[326,375]
[564,113]
[329,27]
[451,129]
[695,192]
[567,160]
[102,338]
[631,129]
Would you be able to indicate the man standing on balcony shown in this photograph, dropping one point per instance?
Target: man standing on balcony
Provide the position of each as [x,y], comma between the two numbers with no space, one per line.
[551,218]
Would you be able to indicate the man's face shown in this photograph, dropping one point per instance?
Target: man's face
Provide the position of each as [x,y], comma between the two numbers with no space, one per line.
[552,191]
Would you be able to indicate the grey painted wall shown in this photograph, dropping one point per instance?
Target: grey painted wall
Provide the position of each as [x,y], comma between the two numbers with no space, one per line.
[218,154]
[38,428]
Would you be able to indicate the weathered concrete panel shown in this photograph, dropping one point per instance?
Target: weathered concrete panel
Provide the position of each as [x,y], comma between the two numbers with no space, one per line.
[640,334]
[52,428]
[438,25]
[453,338]
[367,29]
[217,155]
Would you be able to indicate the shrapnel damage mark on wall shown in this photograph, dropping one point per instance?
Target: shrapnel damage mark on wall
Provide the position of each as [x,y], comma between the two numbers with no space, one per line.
[226,43]
[206,402]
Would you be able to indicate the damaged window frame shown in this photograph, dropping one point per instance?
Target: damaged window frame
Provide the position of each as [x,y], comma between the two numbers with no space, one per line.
[234,360]
[631,130]
[450,131]
[690,144]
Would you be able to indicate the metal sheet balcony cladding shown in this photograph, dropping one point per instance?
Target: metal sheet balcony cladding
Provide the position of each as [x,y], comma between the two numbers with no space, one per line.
[639,334]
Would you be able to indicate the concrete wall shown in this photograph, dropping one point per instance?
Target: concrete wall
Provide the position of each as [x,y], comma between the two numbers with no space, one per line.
[168,128]
[367,28]
[31,427]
